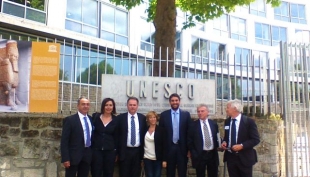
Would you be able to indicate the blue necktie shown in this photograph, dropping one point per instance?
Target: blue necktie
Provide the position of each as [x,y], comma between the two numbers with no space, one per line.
[87,133]
[133,131]
[175,125]
[233,133]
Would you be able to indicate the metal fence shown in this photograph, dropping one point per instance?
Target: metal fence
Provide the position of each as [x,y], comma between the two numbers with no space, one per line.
[265,85]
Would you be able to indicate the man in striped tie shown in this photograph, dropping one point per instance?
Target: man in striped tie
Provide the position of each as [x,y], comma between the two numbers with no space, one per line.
[76,141]
[203,143]
[132,128]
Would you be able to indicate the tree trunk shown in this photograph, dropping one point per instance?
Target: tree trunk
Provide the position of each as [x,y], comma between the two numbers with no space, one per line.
[165,25]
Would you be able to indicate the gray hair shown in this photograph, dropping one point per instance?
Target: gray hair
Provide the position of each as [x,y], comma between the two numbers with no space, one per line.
[82,97]
[236,104]
[203,105]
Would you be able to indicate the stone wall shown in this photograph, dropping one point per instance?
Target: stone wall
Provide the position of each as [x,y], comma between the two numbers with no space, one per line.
[29,146]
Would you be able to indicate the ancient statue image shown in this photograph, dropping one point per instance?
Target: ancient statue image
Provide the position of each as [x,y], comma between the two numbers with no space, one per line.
[9,73]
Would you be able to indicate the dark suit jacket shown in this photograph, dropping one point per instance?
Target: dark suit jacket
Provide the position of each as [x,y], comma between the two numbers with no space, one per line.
[165,121]
[72,140]
[160,143]
[123,132]
[195,141]
[104,137]
[247,136]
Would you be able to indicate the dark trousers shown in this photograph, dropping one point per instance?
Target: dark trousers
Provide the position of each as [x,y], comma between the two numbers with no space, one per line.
[81,169]
[131,165]
[152,168]
[236,168]
[103,163]
[208,160]
[176,160]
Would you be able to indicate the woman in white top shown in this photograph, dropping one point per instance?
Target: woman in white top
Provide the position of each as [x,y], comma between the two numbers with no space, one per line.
[154,147]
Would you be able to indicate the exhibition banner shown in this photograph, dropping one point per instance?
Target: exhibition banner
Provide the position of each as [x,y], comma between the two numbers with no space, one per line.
[29,73]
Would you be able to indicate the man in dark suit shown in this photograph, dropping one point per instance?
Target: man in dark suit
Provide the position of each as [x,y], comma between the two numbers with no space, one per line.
[76,141]
[132,126]
[241,136]
[176,123]
[203,143]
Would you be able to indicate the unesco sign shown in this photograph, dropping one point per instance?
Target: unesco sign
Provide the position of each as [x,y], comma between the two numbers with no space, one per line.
[153,92]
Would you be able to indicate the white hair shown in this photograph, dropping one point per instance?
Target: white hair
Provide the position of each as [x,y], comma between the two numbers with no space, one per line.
[236,104]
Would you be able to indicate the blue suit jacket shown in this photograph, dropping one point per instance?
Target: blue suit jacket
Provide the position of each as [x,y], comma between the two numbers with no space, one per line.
[247,136]
[195,141]
[165,121]
[72,140]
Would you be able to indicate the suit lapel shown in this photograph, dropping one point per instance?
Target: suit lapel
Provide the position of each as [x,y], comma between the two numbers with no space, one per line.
[79,125]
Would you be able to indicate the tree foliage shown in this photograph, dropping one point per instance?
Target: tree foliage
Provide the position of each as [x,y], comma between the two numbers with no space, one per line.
[163,15]
[198,10]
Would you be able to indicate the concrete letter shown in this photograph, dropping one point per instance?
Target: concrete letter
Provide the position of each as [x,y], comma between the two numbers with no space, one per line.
[142,89]
[155,89]
[191,91]
[168,92]
[129,88]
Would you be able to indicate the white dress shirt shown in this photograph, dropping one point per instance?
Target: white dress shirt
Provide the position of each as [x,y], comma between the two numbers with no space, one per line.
[203,136]
[237,122]
[137,130]
[84,126]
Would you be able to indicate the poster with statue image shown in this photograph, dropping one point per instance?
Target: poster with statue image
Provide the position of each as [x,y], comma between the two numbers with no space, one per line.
[28,76]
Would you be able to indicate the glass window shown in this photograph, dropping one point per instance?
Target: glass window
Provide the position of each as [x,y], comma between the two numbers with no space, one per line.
[290,12]
[302,36]
[114,24]
[82,16]
[258,8]
[242,57]
[147,32]
[31,10]
[220,25]
[217,51]
[278,34]
[262,34]
[238,29]
[199,49]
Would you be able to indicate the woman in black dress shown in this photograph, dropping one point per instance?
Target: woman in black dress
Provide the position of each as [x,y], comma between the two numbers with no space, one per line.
[104,140]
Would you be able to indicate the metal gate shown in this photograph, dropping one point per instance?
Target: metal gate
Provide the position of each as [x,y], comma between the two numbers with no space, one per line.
[295,107]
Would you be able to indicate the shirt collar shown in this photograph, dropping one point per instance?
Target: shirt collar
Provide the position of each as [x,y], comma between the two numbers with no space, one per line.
[81,115]
[177,111]
[238,118]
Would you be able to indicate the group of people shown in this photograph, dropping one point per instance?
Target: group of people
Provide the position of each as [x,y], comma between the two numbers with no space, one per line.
[94,143]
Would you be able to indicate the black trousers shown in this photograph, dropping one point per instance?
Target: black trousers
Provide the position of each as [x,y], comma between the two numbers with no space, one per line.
[176,160]
[81,169]
[208,161]
[103,163]
[131,166]
[236,168]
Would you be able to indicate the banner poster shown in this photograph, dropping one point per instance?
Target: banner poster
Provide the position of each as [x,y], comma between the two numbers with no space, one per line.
[29,74]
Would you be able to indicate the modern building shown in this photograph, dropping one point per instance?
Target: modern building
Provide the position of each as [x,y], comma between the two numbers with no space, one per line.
[91,31]
[240,50]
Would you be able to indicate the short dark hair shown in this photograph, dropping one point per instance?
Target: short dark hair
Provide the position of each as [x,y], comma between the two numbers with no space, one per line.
[174,95]
[79,99]
[104,101]
[133,98]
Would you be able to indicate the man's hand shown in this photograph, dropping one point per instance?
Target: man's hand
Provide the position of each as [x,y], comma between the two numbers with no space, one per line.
[67,164]
[164,164]
[237,147]
[189,155]
[224,145]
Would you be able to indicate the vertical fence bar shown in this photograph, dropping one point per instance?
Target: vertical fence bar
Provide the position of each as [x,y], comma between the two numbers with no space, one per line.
[253,85]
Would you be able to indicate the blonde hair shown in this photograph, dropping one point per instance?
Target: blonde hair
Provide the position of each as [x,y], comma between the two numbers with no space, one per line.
[150,114]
